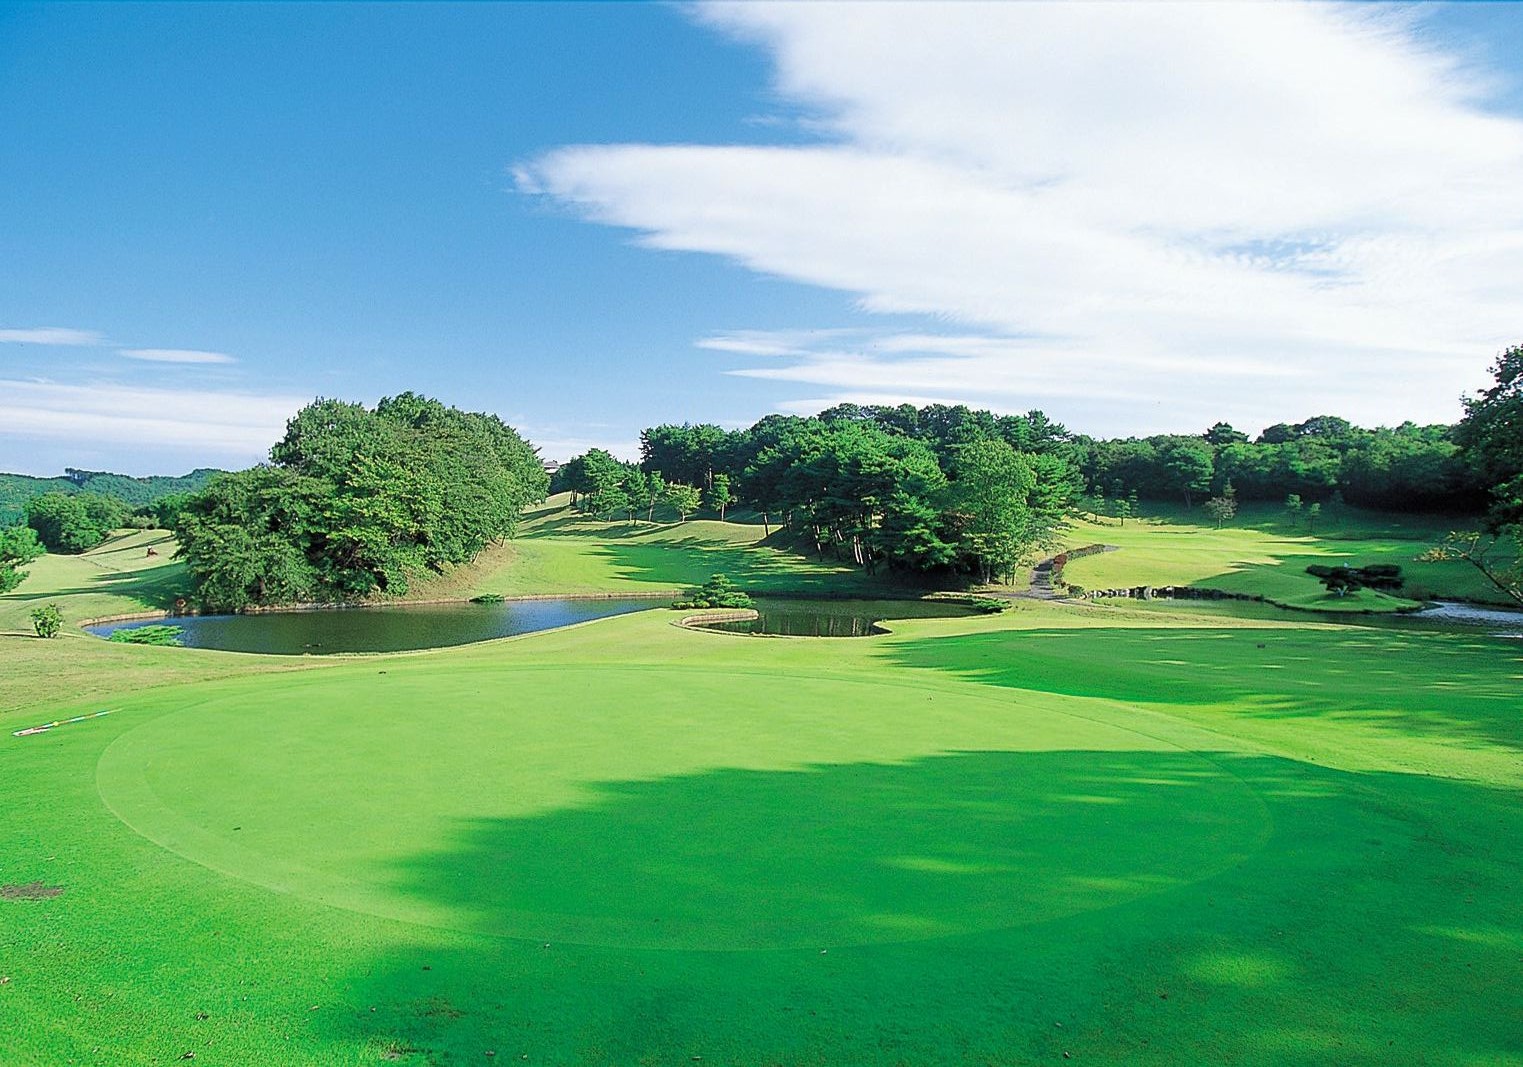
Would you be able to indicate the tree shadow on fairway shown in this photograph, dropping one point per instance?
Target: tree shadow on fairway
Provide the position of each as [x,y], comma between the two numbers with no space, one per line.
[1437,684]
[1125,906]
[692,559]
[845,854]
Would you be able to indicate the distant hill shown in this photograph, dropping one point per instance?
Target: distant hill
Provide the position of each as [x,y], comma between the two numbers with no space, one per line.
[17,489]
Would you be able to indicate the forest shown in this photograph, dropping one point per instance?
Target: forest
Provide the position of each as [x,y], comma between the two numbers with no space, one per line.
[358,501]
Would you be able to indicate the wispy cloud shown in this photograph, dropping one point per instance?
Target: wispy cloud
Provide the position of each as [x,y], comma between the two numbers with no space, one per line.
[221,424]
[176,355]
[1156,213]
[50,335]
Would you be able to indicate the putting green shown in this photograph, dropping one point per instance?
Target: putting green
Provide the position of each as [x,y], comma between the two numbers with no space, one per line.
[675,807]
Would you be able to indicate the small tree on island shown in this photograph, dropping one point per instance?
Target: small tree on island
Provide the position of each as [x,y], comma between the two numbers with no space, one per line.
[1342,580]
[717,592]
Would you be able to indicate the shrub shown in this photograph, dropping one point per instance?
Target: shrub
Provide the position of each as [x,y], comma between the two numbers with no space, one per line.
[488,598]
[1343,580]
[717,592]
[47,620]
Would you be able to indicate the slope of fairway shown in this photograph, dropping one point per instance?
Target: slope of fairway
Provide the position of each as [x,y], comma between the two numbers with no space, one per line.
[560,551]
[1265,555]
[116,578]
[625,842]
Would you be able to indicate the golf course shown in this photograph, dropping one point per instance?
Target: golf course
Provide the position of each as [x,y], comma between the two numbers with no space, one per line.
[1076,831]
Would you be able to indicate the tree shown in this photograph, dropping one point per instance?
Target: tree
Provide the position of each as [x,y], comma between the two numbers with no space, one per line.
[18,547]
[1223,508]
[600,482]
[357,501]
[1491,434]
[988,498]
[47,620]
[1313,513]
[1497,556]
[71,523]
[720,496]
[717,592]
[655,493]
[642,491]
[684,499]
[1123,508]
[1342,580]
[1187,465]
[249,538]
[1293,506]
[1222,433]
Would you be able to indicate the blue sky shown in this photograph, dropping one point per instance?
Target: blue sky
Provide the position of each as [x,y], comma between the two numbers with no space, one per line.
[591,218]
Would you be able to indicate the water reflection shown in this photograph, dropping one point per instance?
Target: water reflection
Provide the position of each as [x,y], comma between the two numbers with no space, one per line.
[383,629]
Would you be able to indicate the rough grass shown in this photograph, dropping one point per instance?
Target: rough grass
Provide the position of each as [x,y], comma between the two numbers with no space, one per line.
[1127,835]
[1264,553]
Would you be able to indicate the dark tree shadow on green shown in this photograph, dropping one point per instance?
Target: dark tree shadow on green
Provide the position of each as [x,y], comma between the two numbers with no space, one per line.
[983,907]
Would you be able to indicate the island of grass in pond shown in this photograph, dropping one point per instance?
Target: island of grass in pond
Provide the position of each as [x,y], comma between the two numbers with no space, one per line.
[383,629]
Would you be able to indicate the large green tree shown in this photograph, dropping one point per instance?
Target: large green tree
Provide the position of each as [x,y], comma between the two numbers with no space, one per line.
[358,501]
[74,522]
[989,497]
[18,547]
[1492,435]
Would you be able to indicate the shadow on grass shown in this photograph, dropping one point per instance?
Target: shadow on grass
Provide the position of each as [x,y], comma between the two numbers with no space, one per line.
[692,560]
[1411,680]
[1126,906]
[152,589]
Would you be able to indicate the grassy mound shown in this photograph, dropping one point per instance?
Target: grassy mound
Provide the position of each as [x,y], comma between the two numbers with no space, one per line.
[1266,555]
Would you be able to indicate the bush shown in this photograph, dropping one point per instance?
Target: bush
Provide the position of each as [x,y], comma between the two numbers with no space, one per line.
[47,620]
[1343,580]
[149,635]
[488,598]
[717,592]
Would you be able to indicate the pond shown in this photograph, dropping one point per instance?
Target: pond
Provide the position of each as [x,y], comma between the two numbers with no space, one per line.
[382,629]
[836,618]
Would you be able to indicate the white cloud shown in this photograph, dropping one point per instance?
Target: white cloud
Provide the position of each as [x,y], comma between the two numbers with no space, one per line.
[221,424]
[50,335]
[560,445]
[176,355]
[1178,210]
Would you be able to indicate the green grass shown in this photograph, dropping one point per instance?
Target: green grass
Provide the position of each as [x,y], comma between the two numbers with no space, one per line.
[559,551]
[1264,554]
[1124,833]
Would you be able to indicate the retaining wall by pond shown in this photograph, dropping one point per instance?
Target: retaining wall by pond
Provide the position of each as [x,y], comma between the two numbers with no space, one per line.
[1168,592]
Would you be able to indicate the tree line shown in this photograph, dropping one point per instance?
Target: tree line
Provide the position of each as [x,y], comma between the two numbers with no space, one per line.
[919,497]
